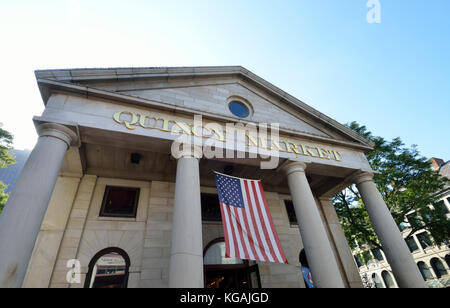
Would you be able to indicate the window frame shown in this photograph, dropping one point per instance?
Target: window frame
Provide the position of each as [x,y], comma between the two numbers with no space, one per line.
[100,254]
[135,205]
[419,239]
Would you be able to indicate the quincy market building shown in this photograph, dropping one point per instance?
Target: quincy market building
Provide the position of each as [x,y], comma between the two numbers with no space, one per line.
[102,202]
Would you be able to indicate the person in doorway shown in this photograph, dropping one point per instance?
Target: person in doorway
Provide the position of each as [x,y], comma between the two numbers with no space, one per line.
[305,270]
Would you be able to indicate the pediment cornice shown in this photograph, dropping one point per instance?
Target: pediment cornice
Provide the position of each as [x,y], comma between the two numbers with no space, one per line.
[77,81]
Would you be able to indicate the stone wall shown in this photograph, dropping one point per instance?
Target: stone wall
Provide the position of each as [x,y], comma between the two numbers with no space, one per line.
[146,238]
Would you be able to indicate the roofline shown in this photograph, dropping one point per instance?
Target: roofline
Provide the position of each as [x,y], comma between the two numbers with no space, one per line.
[97,74]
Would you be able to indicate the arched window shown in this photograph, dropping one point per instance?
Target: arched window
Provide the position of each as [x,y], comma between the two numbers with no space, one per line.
[222,272]
[438,267]
[425,271]
[387,278]
[109,268]
[377,281]
[447,260]
[215,254]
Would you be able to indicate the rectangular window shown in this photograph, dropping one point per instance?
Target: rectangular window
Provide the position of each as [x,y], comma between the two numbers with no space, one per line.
[441,207]
[413,220]
[358,260]
[291,212]
[120,202]
[366,256]
[424,240]
[412,245]
[210,207]
[377,254]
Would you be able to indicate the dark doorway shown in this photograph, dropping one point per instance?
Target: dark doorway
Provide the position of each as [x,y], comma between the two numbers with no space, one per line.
[232,277]
[228,273]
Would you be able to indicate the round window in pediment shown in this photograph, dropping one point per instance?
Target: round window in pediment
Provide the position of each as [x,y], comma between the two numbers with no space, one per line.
[239,109]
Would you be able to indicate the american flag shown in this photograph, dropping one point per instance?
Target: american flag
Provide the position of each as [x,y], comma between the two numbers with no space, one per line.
[247,223]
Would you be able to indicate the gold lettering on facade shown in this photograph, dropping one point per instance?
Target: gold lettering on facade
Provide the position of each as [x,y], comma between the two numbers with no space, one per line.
[291,146]
[263,144]
[122,118]
[165,126]
[277,145]
[337,155]
[142,118]
[323,153]
[252,140]
[183,126]
[134,119]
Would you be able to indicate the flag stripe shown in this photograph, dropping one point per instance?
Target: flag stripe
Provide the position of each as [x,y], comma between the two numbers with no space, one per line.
[243,241]
[226,229]
[245,235]
[249,222]
[258,223]
[237,244]
[230,247]
[264,226]
[252,217]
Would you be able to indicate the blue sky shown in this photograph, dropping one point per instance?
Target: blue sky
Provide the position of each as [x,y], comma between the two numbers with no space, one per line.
[393,77]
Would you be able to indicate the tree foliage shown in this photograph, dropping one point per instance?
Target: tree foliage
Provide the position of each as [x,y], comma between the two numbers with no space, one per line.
[6,140]
[408,185]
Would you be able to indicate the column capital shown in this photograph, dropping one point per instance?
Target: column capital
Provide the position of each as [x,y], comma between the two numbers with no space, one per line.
[186,150]
[58,131]
[294,166]
[363,177]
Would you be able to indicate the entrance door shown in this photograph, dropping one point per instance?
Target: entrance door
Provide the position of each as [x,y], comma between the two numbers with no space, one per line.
[222,272]
[232,277]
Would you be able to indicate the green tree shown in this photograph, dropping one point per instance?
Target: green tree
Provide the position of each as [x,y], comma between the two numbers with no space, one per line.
[6,140]
[408,185]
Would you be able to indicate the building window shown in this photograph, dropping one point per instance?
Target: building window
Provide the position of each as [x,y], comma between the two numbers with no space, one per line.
[425,271]
[210,207]
[215,254]
[109,268]
[377,281]
[412,245]
[441,208]
[366,256]
[239,109]
[120,202]
[413,220]
[438,267]
[424,240]
[358,260]
[377,254]
[387,278]
[290,212]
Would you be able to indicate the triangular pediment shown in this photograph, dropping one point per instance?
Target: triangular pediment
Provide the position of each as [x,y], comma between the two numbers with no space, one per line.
[205,91]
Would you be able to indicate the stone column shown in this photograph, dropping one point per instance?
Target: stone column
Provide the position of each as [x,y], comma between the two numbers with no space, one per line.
[397,253]
[186,257]
[24,212]
[324,269]
[343,252]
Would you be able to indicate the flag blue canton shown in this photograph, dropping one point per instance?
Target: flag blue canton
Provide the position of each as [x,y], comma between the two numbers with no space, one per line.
[229,190]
